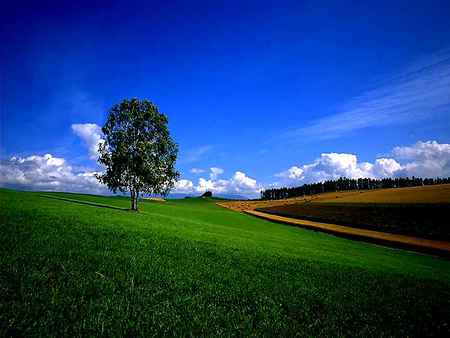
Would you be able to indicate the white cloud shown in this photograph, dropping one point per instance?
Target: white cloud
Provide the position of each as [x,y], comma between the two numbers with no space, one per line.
[327,166]
[244,184]
[215,172]
[197,171]
[91,134]
[384,167]
[239,183]
[47,173]
[423,159]
[184,186]
[215,186]
[423,151]
[293,173]
[422,90]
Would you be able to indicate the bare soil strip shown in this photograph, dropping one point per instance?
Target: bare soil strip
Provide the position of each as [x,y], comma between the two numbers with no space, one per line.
[256,204]
[420,244]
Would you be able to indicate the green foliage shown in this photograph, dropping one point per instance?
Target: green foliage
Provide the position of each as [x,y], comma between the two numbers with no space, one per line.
[138,152]
[77,267]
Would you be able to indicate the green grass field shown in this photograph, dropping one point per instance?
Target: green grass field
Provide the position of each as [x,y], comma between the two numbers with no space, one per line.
[70,266]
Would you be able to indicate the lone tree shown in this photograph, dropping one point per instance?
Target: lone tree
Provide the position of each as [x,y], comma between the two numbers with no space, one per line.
[138,152]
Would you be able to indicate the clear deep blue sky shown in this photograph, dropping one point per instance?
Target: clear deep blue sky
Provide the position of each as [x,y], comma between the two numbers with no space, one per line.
[240,81]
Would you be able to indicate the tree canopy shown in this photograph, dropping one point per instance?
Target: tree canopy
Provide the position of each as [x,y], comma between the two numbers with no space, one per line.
[138,152]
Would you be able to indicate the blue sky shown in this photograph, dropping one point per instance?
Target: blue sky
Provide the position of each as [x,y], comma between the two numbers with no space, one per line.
[257,87]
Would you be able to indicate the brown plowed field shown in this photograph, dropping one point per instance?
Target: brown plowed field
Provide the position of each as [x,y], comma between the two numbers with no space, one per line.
[416,217]
[395,240]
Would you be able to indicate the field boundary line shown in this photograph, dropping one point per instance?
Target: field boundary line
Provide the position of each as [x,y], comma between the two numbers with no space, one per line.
[440,248]
[92,204]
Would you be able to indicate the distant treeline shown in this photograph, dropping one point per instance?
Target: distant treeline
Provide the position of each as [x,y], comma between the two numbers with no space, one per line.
[345,184]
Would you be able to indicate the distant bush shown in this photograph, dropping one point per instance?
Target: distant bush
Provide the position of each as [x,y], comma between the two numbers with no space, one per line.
[207,194]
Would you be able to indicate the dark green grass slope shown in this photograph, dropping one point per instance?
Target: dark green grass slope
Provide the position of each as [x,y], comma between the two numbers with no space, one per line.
[188,267]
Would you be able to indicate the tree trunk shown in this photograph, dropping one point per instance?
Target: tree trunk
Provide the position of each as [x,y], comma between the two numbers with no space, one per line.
[132,194]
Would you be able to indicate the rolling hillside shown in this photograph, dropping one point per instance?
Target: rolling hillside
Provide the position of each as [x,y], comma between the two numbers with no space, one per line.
[74,264]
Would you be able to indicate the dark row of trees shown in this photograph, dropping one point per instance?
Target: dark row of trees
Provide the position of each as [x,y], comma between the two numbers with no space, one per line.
[345,184]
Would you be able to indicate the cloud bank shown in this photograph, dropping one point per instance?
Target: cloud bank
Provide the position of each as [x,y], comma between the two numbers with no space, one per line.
[47,173]
[239,184]
[422,159]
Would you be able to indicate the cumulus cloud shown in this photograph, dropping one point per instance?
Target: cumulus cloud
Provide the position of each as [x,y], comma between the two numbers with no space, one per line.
[327,166]
[242,183]
[216,186]
[293,173]
[47,173]
[423,151]
[423,159]
[383,167]
[91,134]
[184,186]
[239,183]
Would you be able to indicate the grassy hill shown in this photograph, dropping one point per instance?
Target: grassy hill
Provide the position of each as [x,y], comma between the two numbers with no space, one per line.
[73,264]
